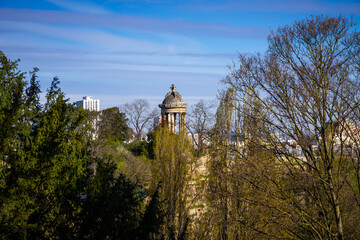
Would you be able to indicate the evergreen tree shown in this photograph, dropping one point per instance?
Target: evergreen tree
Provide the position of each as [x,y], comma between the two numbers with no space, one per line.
[113,125]
[111,206]
[43,157]
[50,186]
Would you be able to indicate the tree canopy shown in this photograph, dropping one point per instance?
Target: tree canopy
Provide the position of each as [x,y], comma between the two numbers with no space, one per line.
[51,187]
[112,125]
[306,88]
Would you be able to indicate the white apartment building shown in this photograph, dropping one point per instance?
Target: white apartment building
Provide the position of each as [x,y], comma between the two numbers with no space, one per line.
[92,105]
[89,103]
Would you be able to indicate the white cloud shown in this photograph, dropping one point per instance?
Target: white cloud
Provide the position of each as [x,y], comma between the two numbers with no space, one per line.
[135,23]
[90,36]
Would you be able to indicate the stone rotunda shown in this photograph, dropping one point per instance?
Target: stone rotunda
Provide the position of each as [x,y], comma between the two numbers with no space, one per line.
[173,111]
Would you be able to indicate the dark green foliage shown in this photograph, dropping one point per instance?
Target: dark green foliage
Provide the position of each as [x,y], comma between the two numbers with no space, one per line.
[152,219]
[112,125]
[47,187]
[151,140]
[42,157]
[138,148]
[111,207]
[143,148]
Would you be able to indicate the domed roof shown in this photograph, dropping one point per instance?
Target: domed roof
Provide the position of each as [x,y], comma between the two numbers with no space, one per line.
[173,99]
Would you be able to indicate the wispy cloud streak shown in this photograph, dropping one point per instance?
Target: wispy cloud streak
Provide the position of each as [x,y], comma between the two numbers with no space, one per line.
[280,6]
[117,21]
[85,7]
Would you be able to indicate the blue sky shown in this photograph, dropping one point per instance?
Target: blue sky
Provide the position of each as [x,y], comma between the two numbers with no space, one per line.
[120,50]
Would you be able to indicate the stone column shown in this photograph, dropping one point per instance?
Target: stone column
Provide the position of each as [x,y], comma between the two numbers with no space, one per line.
[169,122]
[180,119]
[183,122]
[181,127]
[175,122]
[172,122]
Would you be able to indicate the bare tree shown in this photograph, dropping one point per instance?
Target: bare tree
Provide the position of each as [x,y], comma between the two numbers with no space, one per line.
[306,84]
[200,120]
[218,180]
[139,115]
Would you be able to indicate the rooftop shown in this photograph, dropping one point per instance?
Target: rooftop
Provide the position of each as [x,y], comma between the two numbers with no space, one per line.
[173,99]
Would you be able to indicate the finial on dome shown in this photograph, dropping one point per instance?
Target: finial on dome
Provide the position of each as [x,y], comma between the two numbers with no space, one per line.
[172,87]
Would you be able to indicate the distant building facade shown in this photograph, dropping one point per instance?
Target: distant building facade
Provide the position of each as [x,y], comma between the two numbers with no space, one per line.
[91,104]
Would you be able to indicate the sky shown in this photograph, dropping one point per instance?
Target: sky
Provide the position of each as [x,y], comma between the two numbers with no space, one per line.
[121,50]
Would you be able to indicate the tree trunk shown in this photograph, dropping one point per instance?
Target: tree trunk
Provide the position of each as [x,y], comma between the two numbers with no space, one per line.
[336,206]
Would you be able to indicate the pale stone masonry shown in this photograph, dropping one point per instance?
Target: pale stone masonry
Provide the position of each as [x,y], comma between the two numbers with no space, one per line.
[173,111]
